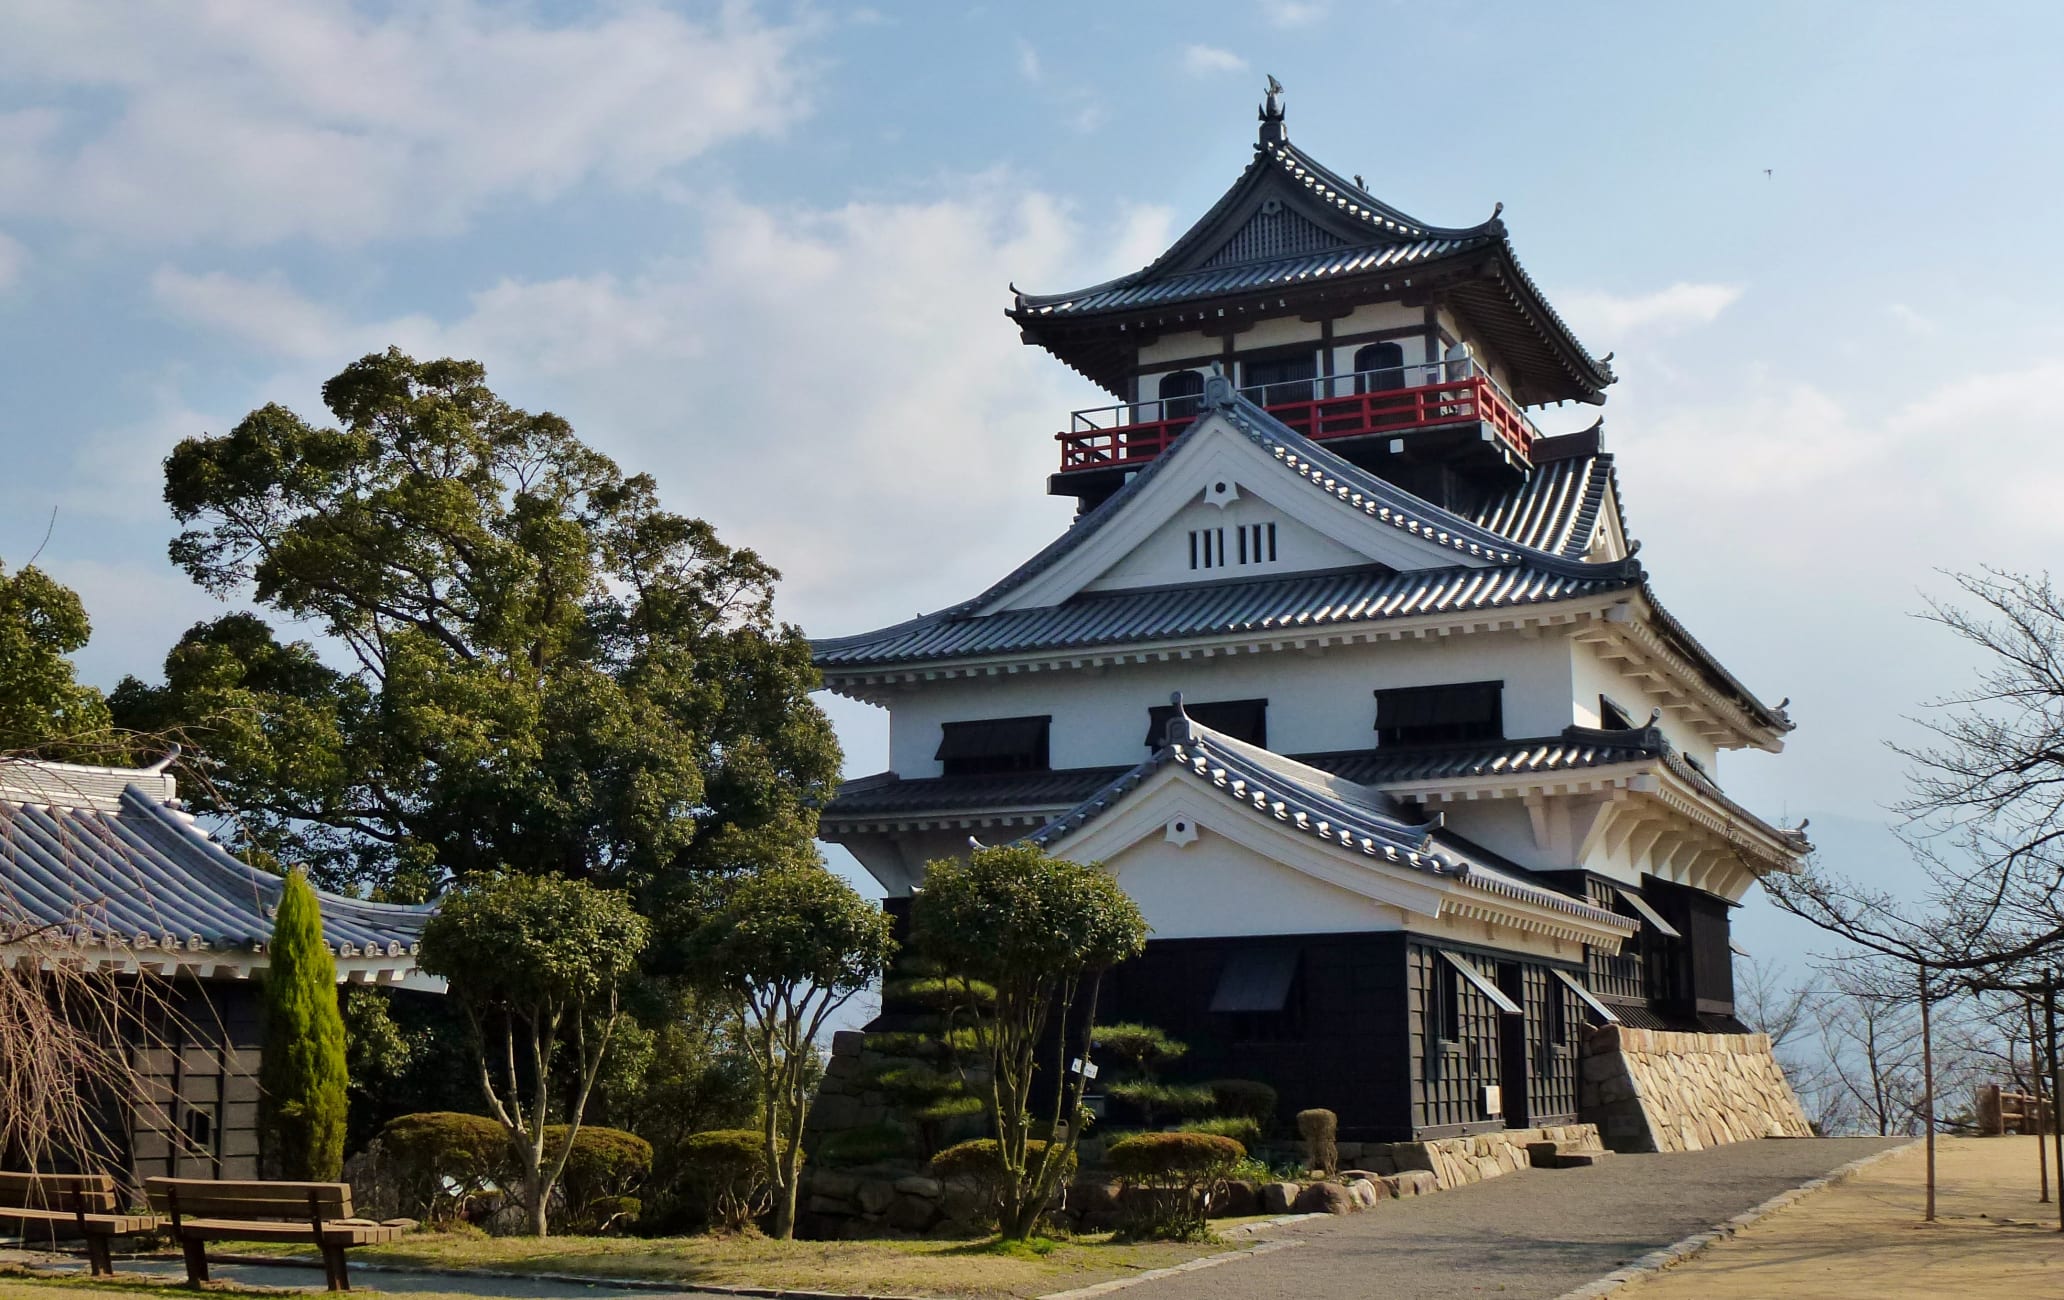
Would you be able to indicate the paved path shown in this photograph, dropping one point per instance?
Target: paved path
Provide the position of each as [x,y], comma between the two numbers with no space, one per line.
[1532,1235]
[366,1279]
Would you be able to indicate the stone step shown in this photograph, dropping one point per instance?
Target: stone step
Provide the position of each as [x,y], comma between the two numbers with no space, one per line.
[1557,1155]
[1579,1159]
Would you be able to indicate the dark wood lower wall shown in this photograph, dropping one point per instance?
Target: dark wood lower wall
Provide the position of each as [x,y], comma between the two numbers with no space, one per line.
[1378,1028]
[197,1116]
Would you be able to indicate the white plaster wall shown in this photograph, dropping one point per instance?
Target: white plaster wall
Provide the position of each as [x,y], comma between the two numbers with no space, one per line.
[1503,827]
[1215,887]
[1317,702]
[1174,347]
[1164,557]
[1592,675]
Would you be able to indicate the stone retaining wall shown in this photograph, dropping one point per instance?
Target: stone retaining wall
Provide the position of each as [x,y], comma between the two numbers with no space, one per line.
[1650,1090]
[1457,1161]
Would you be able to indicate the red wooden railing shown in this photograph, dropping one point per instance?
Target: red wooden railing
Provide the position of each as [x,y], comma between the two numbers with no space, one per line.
[1121,435]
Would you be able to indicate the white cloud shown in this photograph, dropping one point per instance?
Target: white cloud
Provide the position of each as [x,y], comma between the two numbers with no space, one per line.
[1293,13]
[1680,306]
[251,121]
[836,388]
[1206,60]
[13,257]
[1028,61]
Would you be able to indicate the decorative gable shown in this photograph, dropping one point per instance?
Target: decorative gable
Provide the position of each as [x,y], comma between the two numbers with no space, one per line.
[1275,230]
[1218,477]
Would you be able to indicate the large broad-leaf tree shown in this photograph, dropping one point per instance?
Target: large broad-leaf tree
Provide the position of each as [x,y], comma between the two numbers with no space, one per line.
[1041,931]
[785,948]
[44,709]
[538,963]
[522,662]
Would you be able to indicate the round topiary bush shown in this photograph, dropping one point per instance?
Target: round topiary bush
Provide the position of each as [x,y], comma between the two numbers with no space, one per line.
[1174,1178]
[727,1170]
[979,1163]
[445,1163]
[607,1166]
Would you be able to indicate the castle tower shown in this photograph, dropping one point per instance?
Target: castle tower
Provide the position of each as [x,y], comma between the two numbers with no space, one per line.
[1347,672]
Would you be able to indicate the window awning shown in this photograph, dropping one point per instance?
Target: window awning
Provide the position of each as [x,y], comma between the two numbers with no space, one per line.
[1599,1009]
[1241,719]
[1255,979]
[1482,983]
[992,738]
[1648,914]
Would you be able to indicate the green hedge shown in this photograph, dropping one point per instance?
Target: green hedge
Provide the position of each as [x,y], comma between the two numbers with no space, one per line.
[1249,1097]
[446,1163]
[727,1169]
[1240,1128]
[1175,1178]
[980,1162]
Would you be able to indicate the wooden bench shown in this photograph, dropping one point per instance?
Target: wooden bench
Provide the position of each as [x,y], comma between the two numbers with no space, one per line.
[202,1210]
[83,1205]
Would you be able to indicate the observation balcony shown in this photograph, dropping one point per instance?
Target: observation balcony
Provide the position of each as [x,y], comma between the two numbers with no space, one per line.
[1442,410]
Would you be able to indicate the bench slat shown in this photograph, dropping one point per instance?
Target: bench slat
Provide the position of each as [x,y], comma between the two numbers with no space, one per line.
[93,1192]
[100,1223]
[215,1198]
[345,1234]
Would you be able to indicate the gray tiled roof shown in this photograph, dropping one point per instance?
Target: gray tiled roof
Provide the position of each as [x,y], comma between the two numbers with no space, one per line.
[1343,814]
[1278,605]
[885,796]
[1538,560]
[1365,236]
[130,869]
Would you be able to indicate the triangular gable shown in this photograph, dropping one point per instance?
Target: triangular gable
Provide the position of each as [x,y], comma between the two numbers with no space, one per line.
[1220,475]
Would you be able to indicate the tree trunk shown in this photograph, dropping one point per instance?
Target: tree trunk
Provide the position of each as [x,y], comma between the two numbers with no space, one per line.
[539,1196]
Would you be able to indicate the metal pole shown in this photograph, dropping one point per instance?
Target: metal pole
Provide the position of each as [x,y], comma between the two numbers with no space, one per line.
[1928,1084]
[2056,1089]
[2035,1083]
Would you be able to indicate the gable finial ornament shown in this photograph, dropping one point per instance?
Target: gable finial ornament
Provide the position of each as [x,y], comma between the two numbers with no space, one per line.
[1181,731]
[1218,387]
[1272,130]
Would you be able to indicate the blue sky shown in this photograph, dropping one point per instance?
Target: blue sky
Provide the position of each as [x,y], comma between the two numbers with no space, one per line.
[761,252]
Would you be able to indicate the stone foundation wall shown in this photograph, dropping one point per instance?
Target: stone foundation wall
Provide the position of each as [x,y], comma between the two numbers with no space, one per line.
[1457,1161]
[1648,1090]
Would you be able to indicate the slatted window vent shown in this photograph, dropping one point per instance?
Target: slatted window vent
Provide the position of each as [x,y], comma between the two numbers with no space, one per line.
[1252,544]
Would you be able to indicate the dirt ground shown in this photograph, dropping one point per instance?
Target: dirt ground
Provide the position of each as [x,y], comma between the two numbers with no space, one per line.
[1866,1236]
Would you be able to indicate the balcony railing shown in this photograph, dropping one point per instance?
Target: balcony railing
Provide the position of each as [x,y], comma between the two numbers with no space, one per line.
[1397,400]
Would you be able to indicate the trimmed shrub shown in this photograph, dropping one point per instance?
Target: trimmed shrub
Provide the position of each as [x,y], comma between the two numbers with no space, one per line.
[1143,1047]
[1318,1128]
[727,1169]
[301,1077]
[1153,1102]
[1175,1177]
[1249,1097]
[606,1167]
[979,1162]
[445,1162]
[1240,1128]
[938,993]
[866,1145]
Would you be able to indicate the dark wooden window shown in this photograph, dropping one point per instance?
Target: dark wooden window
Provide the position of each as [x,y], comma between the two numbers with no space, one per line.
[1611,717]
[994,745]
[1181,394]
[1379,367]
[1283,379]
[1430,715]
[1207,548]
[1241,719]
[1257,543]
[1259,996]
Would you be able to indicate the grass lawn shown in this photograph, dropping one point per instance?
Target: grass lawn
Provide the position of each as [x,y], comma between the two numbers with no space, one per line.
[922,1267]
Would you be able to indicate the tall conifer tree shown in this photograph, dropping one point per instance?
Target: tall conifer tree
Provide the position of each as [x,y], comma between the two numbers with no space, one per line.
[303,1076]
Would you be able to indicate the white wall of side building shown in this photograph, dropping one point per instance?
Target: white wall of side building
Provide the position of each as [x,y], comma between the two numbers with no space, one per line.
[1592,675]
[1316,702]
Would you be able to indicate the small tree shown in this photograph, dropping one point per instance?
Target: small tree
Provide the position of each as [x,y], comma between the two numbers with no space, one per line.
[536,962]
[305,1089]
[1041,931]
[785,948]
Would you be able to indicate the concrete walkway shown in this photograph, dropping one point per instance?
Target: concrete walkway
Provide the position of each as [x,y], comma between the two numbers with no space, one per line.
[1532,1235]
[381,1281]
